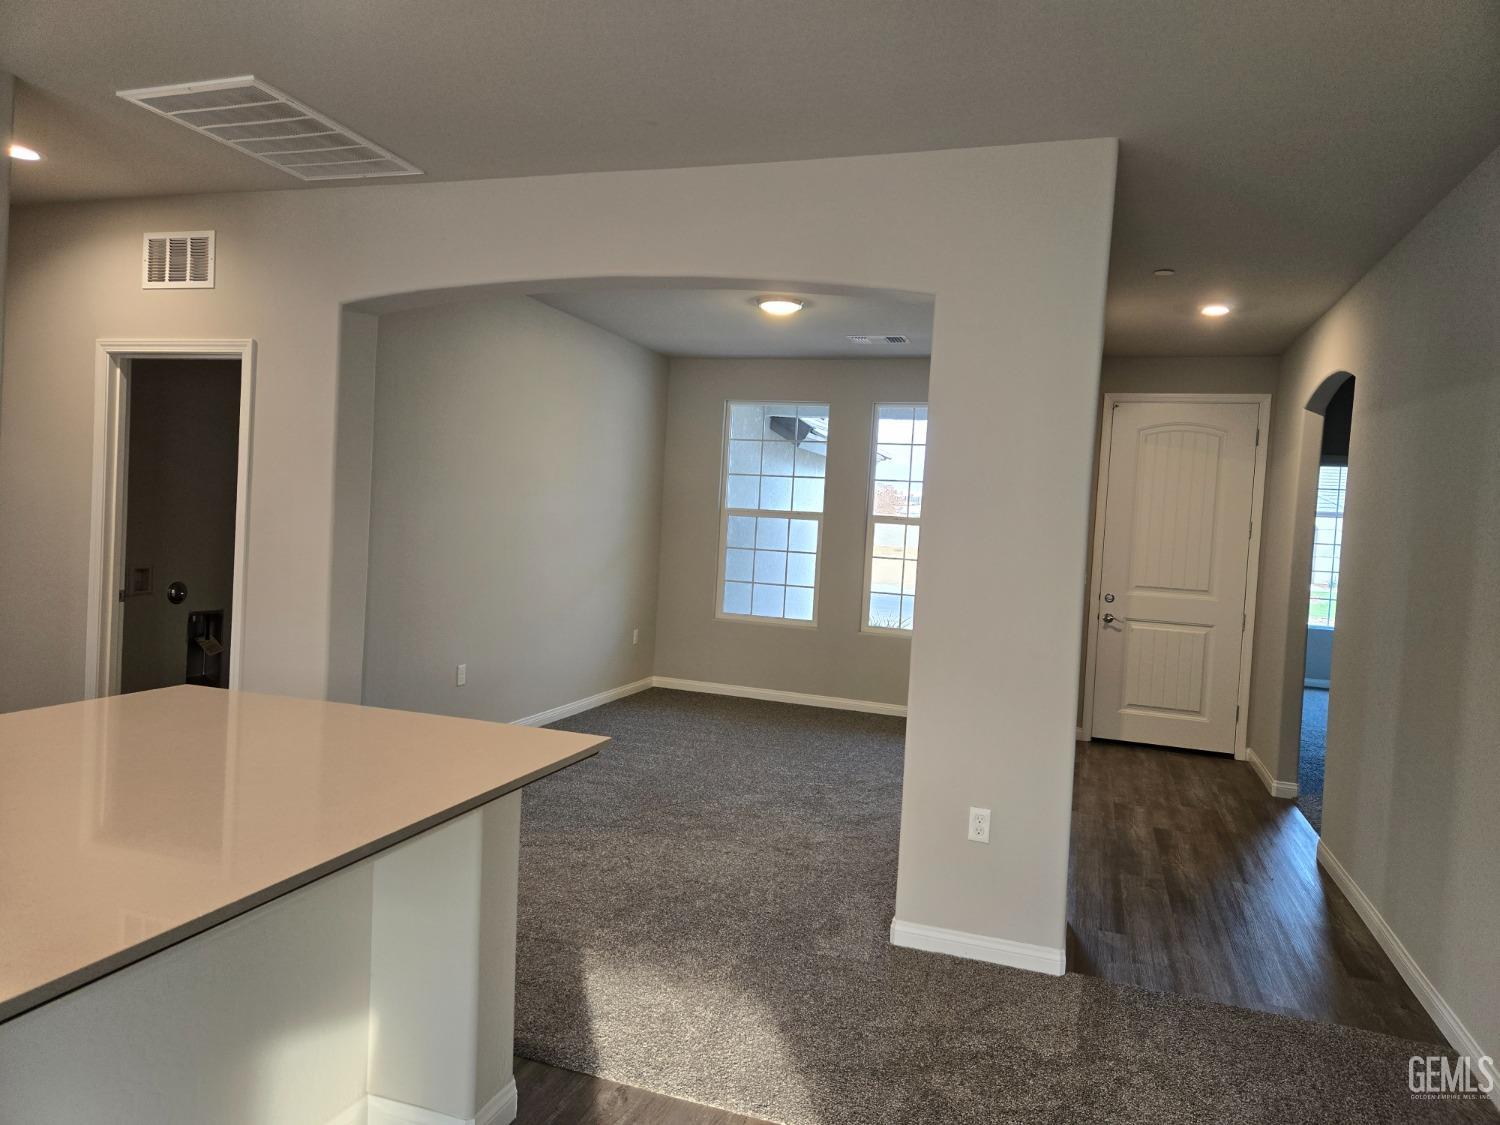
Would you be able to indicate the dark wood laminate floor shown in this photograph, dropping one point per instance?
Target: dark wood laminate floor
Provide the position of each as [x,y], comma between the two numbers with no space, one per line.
[549,1095]
[1186,876]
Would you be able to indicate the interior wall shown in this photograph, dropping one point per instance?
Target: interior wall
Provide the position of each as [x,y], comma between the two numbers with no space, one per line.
[835,658]
[1251,375]
[1411,767]
[7,110]
[183,465]
[516,510]
[1012,242]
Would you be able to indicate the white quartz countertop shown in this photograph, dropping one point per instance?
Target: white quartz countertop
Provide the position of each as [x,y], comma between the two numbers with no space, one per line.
[131,823]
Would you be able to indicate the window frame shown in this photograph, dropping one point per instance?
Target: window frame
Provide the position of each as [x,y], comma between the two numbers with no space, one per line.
[725,512]
[871,518]
[1331,602]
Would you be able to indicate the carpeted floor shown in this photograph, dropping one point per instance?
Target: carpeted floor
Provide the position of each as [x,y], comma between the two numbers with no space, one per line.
[704,911]
[1311,756]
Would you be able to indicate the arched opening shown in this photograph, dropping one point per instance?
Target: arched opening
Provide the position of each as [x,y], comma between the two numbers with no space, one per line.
[1333,402]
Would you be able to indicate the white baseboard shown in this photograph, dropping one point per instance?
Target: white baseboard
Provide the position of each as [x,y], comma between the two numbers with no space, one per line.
[977,947]
[1316,684]
[499,1110]
[1080,736]
[1421,985]
[567,710]
[801,698]
[1285,790]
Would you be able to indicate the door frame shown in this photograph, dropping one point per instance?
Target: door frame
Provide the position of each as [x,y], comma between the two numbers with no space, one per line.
[1252,575]
[102,635]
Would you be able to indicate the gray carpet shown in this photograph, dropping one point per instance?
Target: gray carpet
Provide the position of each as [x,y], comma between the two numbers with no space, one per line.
[704,911]
[1311,755]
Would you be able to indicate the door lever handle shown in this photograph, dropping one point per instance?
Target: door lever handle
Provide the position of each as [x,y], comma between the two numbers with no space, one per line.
[1110,619]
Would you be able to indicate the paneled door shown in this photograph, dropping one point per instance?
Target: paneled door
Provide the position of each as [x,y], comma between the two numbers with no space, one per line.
[1178,500]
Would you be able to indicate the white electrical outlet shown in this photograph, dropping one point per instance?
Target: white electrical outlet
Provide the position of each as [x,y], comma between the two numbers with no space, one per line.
[979,825]
[635,636]
[461,675]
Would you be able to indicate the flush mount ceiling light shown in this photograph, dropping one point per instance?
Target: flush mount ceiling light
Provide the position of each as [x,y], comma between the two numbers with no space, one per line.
[1215,310]
[1165,271]
[779,306]
[260,121]
[21,152]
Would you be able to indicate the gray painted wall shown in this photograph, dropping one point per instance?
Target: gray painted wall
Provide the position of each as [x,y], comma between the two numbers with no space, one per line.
[7,109]
[516,505]
[1412,773]
[1012,241]
[835,658]
[1319,663]
[184,459]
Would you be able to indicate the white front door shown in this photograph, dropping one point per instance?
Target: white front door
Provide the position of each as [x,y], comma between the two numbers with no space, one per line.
[1178,499]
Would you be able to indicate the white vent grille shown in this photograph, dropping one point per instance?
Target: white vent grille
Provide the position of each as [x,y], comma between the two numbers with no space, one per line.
[178,260]
[879,340]
[262,122]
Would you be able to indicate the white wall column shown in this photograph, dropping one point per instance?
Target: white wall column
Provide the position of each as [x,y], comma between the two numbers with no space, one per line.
[442,973]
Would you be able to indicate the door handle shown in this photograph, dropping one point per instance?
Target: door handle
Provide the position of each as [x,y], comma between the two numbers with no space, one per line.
[1110,619]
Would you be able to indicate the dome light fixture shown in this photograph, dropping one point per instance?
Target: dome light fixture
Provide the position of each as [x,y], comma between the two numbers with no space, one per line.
[778,306]
[1215,310]
[21,152]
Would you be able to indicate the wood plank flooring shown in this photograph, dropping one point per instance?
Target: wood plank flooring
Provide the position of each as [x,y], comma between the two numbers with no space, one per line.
[549,1095]
[1186,876]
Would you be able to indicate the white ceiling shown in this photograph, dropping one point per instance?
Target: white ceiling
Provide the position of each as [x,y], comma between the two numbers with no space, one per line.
[726,322]
[1270,151]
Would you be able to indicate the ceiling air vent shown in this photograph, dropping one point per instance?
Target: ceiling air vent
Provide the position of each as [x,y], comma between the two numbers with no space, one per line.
[178,260]
[879,340]
[260,121]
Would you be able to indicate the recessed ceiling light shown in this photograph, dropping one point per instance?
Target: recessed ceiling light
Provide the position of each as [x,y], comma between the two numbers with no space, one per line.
[1164,272]
[1215,310]
[21,152]
[779,306]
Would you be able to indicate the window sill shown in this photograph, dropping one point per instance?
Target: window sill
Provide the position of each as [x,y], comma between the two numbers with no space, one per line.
[750,619]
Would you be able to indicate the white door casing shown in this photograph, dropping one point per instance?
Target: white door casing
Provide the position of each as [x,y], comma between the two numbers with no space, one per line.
[1179,494]
[103,627]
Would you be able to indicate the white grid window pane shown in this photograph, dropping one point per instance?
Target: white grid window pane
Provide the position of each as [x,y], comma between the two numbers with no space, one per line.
[1328,541]
[801,569]
[736,597]
[775,461]
[899,464]
[803,536]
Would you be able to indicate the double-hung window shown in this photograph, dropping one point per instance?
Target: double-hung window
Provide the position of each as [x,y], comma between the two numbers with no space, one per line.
[1328,542]
[898,465]
[775,462]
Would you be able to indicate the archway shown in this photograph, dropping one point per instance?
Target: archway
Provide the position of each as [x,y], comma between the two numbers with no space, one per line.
[1333,405]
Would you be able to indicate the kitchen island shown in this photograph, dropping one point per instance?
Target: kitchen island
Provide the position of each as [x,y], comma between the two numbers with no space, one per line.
[229,907]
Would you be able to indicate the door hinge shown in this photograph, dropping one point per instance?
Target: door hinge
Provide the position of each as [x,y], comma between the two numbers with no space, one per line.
[1244,621]
[1236,712]
[1257,437]
[122,595]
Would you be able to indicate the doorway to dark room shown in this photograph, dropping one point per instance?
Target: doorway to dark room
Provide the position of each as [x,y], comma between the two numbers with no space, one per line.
[181,420]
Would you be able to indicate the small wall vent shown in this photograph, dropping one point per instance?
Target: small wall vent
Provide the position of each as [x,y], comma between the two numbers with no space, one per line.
[260,121]
[178,260]
[879,340]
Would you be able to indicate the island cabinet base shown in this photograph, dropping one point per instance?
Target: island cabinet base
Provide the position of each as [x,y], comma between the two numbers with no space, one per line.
[380,994]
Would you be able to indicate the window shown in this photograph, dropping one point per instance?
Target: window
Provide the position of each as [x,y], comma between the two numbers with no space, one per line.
[775,461]
[899,463]
[1328,540]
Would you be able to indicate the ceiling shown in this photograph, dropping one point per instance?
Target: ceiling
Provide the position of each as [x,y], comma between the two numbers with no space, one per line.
[725,322]
[1270,151]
